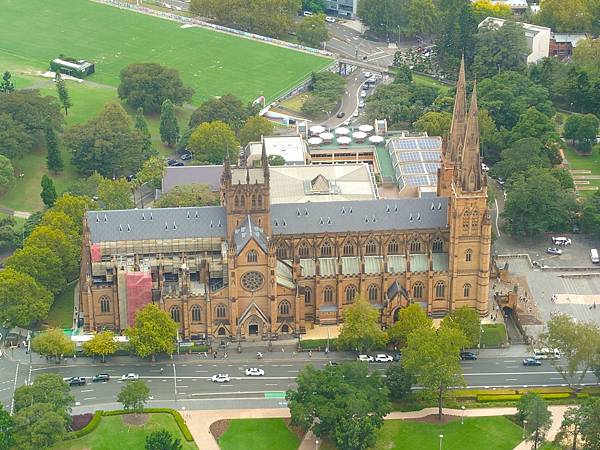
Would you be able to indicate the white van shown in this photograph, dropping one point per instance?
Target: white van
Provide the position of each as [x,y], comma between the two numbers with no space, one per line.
[546,353]
[307,13]
[594,256]
[561,240]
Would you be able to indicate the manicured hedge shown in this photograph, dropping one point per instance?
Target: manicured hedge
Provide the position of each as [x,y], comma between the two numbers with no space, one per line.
[516,397]
[91,426]
[178,419]
[314,344]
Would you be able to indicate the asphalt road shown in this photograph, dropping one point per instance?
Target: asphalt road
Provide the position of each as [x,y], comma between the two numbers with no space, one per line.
[350,99]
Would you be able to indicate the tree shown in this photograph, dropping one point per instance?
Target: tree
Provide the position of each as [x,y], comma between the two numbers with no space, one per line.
[48,193]
[188,195]
[148,85]
[63,94]
[151,172]
[576,16]
[345,403]
[33,111]
[141,125]
[67,249]
[41,264]
[228,108]
[361,330]
[586,55]
[410,319]
[587,131]
[134,395]
[6,429]
[434,123]
[276,160]
[432,357]
[53,343]
[7,177]
[500,48]
[169,129]
[7,86]
[48,388]
[115,194]
[520,157]
[210,141]
[536,203]
[8,237]
[571,126]
[485,8]
[590,423]
[255,128]
[31,222]
[73,206]
[162,440]
[15,140]
[38,427]
[154,332]
[102,344]
[398,381]
[534,410]
[106,144]
[578,343]
[316,6]
[534,124]
[400,102]
[311,31]
[466,320]
[60,221]
[22,300]
[573,420]
[54,160]
[456,34]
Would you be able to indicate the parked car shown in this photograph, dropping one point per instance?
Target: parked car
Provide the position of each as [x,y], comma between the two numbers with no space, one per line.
[382,357]
[355,113]
[397,357]
[340,114]
[307,13]
[75,381]
[532,362]
[130,377]
[220,378]
[178,164]
[367,74]
[363,94]
[101,377]
[130,178]
[255,372]
[554,251]
[561,240]
[171,162]
[329,19]
[484,167]
[365,358]
[468,356]
[361,104]
[186,156]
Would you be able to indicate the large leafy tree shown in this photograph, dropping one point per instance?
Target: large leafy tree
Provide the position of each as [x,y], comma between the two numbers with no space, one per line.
[48,193]
[54,160]
[573,420]
[520,157]
[361,330]
[209,142]
[590,423]
[500,48]
[400,102]
[33,111]
[345,403]
[73,206]
[434,123]
[574,16]
[169,128]
[536,203]
[42,264]
[410,319]
[227,108]
[432,357]
[149,84]
[106,144]
[254,128]
[23,300]
[188,195]
[7,85]
[61,243]
[485,8]
[578,343]
[151,172]
[534,124]
[466,320]
[141,125]
[102,344]
[154,332]
[115,194]
[456,34]
[15,138]
[162,440]
[7,173]
[398,381]
[61,221]
[8,236]
[46,388]
[134,395]
[586,56]
[311,31]
[38,427]
[53,343]
[534,410]
[6,429]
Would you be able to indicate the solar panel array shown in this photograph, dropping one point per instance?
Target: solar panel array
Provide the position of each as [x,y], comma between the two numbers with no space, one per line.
[416,160]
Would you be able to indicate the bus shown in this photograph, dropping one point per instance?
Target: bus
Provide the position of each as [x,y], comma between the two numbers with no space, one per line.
[546,353]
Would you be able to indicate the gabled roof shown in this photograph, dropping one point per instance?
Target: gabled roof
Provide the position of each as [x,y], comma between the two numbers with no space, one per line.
[247,231]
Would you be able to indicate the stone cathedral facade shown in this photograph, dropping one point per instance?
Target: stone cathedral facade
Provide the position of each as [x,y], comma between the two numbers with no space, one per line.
[249,268]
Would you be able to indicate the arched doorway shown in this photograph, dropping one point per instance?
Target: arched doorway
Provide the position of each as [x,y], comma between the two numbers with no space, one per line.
[221,331]
[285,329]
[253,329]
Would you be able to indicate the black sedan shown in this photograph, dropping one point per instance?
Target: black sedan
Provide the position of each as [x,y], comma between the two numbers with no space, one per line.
[75,381]
[100,377]
[532,362]
[468,356]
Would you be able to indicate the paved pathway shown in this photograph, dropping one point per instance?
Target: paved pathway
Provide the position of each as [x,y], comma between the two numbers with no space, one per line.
[199,421]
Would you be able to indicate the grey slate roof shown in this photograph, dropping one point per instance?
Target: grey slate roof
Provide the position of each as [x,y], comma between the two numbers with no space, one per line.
[181,176]
[247,231]
[365,215]
[160,223]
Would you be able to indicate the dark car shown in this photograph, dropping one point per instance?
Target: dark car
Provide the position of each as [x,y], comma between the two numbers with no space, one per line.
[186,156]
[332,363]
[397,356]
[340,114]
[75,381]
[532,362]
[468,356]
[101,377]
[171,162]
[130,178]
[178,164]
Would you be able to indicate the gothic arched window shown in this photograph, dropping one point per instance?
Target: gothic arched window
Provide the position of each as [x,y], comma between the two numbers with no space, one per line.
[418,290]
[196,313]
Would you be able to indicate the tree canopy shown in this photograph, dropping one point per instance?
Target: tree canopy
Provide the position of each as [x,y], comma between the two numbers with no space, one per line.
[209,142]
[53,343]
[467,321]
[115,194]
[7,173]
[134,395]
[67,249]
[102,344]
[46,388]
[255,128]
[162,440]
[533,409]
[169,128]
[154,332]
[15,139]
[227,108]
[520,157]
[23,300]
[188,195]
[360,330]
[42,264]
[410,319]
[311,31]
[500,48]
[151,172]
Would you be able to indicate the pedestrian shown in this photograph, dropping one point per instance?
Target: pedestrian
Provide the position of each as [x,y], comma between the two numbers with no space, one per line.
[282,350]
[162,369]
[215,355]
[310,353]
[225,355]
[293,354]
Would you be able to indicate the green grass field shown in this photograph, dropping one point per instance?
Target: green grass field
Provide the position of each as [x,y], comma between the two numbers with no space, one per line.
[263,434]
[485,433]
[113,433]
[493,334]
[580,161]
[61,312]
[36,31]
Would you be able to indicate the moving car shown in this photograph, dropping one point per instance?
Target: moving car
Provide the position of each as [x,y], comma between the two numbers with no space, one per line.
[329,19]
[255,372]
[340,114]
[130,377]
[186,156]
[382,357]
[532,362]
[365,358]
[554,251]
[100,377]
[468,356]
[220,378]
[75,381]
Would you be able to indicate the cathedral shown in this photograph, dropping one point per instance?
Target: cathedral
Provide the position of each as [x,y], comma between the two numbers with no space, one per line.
[253,268]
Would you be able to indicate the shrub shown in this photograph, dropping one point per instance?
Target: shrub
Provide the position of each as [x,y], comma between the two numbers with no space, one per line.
[314,344]
[80,421]
[91,426]
[498,398]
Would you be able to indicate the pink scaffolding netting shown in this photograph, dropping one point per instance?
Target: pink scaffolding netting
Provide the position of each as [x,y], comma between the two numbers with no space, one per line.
[96,253]
[139,293]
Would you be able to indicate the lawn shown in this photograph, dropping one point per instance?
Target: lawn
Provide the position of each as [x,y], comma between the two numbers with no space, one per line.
[36,31]
[486,433]
[579,161]
[427,81]
[61,312]
[264,434]
[493,334]
[113,433]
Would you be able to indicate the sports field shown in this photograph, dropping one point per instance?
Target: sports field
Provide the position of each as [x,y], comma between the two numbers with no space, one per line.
[33,32]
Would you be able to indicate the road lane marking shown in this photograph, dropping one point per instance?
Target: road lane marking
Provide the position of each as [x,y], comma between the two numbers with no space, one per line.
[90,398]
[87,390]
[202,371]
[511,361]
[512,367]
[511,379]
[293,371]
[270,384]
[12,403]
[182,387]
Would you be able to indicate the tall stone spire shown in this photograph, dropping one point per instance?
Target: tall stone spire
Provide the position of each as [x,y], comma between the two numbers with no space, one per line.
[226,177]
[264,160]
[470,169]
[459,118]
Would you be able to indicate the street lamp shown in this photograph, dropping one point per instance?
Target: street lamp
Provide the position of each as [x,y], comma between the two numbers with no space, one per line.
[317,444]
[441,439]
[524,423]
[462,419]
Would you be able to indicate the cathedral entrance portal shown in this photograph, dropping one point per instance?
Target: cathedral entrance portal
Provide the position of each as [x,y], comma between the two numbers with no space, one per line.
[253,329]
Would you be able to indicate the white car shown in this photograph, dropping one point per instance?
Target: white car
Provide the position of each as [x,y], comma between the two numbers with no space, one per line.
[365,358]
[484,167]
[329,19]
[355,114]
[381,357]
[361,104]
[367,74]
[220,378]
[255,372]
[130,377]
[363,94]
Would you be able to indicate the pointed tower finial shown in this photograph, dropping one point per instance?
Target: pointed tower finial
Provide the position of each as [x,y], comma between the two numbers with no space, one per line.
[459,117]
[470,171]
[226,166]
[264,160]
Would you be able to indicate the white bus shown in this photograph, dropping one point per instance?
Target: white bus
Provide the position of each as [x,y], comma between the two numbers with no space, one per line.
[546,353]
